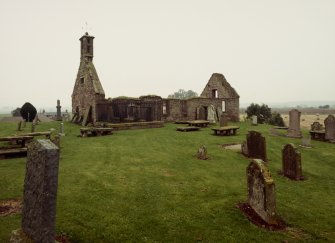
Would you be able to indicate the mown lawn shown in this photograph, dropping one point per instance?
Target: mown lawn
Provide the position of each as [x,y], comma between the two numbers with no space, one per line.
[148,186]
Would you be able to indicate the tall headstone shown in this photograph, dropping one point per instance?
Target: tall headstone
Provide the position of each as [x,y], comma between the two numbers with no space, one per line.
[291,159]
[254,120]
[330,128]
[261,191]
[223,120]
[256,146]
[59,113]
[19,125]
[40,191]
[61,129]
[294,124]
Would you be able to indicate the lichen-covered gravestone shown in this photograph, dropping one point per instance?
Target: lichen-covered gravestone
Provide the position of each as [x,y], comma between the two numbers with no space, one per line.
[291,159]
[261,191]
[33,127]
[40,191]
[256,145]
[202,152]
[316,126]
[330,128]
[294,124]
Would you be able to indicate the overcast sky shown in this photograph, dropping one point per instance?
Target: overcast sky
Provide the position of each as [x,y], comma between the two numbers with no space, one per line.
[268,50]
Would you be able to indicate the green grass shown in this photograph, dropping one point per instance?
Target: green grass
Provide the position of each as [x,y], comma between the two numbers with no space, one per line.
[147,186]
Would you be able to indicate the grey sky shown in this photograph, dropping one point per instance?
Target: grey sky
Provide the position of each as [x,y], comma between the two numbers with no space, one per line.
[269,51]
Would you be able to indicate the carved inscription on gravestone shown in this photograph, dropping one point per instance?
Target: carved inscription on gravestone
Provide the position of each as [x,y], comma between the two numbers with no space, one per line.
[40,191]
[261,191]
[291,159]
[256,145]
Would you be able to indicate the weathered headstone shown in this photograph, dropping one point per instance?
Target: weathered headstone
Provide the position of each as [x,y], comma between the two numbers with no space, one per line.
[19,125]
[294,124]
[330,128]
[61,129]
[59,113]
[33,127]
[40,191]
[254,120]
[256,145]
[202,152]
[223,120]
[261,191]
[316,126]
[291,159]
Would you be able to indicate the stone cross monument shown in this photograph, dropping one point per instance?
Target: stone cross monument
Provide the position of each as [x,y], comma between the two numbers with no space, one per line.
[59,112]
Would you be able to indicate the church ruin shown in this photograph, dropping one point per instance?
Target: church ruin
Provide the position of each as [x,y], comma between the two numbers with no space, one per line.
[89,104]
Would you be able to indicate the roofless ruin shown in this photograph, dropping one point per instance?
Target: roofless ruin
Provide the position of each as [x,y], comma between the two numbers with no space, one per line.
[89,104]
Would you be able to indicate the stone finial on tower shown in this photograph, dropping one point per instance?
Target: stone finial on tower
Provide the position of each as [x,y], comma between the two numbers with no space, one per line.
[86,47]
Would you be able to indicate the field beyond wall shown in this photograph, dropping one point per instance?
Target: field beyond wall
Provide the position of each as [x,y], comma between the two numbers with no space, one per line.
[148,186]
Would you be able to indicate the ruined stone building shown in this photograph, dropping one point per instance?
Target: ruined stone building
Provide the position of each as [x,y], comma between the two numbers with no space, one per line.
[89,104]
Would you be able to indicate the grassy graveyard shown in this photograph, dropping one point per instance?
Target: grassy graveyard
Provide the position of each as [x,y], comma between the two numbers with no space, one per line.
[147,185]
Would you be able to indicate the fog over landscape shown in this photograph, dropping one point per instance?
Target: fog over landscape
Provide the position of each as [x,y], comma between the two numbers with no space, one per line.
[281,53]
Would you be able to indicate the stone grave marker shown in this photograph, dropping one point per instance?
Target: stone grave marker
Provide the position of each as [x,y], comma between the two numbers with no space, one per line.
[61,129]
[291,159]
[306,142]
[202,152]
[261,191]
[59,113]
[40,191]
[254,121]
[316,126]
[223,120]
[256,146]
[294,124]
[19,125]
[330,128]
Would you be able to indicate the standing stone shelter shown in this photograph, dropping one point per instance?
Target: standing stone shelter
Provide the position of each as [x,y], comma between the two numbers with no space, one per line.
[89,104]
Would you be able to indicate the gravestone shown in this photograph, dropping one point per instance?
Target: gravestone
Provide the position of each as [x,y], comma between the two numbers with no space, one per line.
[256,145]
[33,127]
[40,191]
[61,129]
[261,191]
[294,124]
[254,120]
[223,120]
[19,125]
[291,160]
[59,113]
[330,128]
[316,126]
[202,152]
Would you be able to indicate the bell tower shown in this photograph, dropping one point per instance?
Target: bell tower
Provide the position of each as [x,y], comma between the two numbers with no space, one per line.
[86,47]
[87,91]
